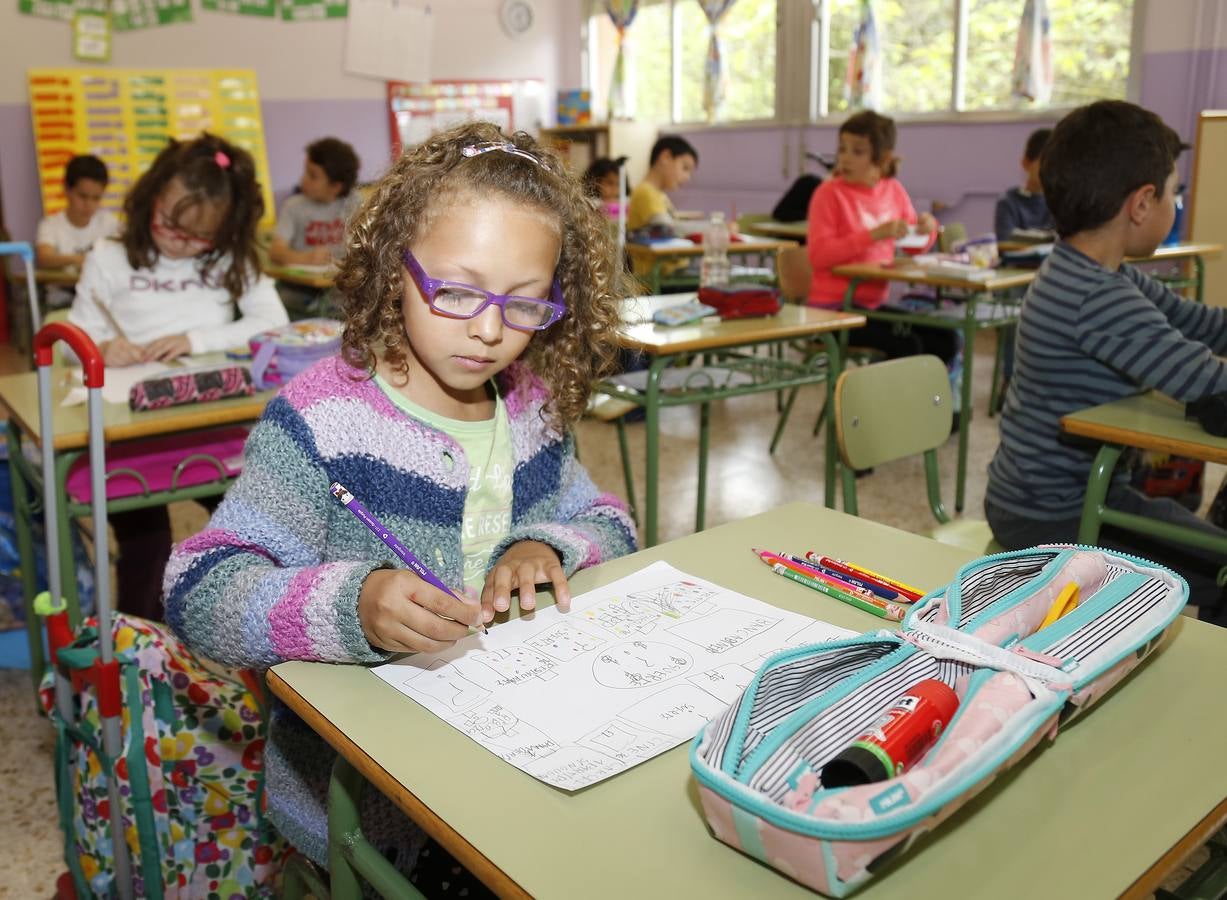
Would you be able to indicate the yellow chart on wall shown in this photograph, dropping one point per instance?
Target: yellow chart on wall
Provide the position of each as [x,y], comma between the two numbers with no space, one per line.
[125,117]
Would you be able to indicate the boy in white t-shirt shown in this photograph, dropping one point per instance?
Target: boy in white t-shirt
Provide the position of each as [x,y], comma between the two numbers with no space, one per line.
[65,237]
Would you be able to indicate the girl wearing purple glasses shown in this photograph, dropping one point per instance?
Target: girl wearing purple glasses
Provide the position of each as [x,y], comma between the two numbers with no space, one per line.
[480,292]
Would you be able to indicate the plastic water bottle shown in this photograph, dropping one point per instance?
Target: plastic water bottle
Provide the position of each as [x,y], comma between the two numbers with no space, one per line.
[715,269]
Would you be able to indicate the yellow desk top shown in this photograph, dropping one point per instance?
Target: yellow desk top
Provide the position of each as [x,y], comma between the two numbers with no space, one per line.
[652,252]
[903,270]
[312,277]
[1180,251]
[1086,817]
[1150,421]
[19,393]
[772,228]
[790,322]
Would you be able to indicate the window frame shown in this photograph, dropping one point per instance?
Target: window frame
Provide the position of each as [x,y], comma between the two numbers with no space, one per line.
[803,71]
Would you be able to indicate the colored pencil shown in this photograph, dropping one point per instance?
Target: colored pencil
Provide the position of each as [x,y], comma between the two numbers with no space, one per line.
[801,566]
[841,565]
[880,590]
[879,608]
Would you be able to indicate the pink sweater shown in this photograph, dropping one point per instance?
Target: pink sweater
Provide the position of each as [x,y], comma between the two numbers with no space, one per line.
[841,215]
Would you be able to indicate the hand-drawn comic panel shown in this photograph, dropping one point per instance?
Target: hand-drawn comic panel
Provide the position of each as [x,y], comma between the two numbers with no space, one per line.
[622,617]
[626,742]
[517,664]
[501,732]
[564,642]
[675,599]
[572,768]
[636,664]
[724,629]
[442,683]
[725,683]
[679,710]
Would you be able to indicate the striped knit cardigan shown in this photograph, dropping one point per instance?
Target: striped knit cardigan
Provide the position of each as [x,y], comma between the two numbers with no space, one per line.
[277,573]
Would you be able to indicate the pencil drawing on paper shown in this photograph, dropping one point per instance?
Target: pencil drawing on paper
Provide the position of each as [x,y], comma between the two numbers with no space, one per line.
[636,668]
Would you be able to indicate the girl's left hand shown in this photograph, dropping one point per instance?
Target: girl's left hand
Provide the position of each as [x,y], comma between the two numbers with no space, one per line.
[167,348]
[926,224]
[522,567]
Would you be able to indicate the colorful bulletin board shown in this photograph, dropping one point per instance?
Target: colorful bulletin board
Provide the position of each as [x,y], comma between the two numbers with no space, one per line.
[417,110]
[125,117]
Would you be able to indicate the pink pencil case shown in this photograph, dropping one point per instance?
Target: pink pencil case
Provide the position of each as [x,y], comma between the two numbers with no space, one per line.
[759,764]
[169,463]
[191,386]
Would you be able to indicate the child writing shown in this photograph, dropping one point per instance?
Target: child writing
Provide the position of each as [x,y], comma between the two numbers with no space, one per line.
[855,217]
[670,165]
[480,295]
[168,287]
[65,237]
[1024,208]
[1094,329]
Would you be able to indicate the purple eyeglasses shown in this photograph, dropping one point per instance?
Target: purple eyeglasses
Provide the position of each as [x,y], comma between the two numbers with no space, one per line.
[464,301]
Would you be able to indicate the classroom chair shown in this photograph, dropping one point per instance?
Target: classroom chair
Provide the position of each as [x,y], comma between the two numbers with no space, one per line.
[604,408]
[793,268]
[896,409]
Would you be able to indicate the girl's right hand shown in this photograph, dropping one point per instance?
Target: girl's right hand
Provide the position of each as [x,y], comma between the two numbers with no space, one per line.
[401,613]
[121,352]
[894,229]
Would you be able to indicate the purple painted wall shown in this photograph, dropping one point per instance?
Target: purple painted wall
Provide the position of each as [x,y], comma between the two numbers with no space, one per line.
[289,125]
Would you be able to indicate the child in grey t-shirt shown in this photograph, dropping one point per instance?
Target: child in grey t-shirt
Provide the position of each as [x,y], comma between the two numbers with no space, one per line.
[311,226]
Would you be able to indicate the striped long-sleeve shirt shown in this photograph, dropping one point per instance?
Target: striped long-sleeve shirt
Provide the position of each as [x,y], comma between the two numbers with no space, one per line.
[1090,336]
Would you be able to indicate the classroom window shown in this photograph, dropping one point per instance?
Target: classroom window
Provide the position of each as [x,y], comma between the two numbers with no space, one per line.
[1091,45]
[671,35]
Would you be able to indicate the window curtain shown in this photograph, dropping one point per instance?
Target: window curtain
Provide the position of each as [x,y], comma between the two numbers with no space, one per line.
[863,86]
[1033,54]
[713,77]
[622,14]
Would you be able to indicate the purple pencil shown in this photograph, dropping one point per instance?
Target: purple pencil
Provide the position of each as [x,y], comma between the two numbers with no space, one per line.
[363,515]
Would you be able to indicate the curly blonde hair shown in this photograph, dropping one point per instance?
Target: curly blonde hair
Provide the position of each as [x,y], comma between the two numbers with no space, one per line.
[569,356]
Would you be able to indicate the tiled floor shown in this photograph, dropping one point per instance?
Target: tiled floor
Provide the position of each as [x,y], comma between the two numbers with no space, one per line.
[743,480]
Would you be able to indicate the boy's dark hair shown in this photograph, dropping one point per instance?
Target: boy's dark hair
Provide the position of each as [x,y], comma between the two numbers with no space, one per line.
[1100,154]
[337,159]
[212,171]
[598,169]
[1036,142]
[882,134]
[90,167]
[676,145]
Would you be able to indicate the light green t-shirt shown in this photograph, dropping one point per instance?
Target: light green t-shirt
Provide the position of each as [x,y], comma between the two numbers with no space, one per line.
[487,506]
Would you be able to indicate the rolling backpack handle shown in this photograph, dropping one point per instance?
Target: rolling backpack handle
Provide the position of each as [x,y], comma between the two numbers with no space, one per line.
[104,675]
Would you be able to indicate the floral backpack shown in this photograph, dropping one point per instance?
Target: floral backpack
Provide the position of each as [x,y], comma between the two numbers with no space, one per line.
[191,771]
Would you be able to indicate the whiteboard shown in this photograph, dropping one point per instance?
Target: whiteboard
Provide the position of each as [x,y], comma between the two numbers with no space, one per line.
[1208,199]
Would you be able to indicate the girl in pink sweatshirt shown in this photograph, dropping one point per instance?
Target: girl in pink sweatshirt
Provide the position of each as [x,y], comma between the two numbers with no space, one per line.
[855,217]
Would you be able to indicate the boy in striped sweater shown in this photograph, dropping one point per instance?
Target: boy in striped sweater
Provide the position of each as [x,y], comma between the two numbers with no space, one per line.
[1095,329]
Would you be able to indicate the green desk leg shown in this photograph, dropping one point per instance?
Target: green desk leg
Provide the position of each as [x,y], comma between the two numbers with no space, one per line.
[1199,276]
[1097,493]
[651,424]
[969,355]
[834,368]
[700,512]
[654,275]
[351,857]
[63,524]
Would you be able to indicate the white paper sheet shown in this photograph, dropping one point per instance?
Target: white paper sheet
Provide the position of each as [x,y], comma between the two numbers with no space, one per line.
[636,668]
[116,382]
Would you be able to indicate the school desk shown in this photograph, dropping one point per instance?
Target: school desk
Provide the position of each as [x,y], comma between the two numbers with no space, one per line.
[736,371]
[1182,251]
[19,394]
[1107,810]
[793,231]
[985,304]
[312,277]
[656,256]
[1148,421]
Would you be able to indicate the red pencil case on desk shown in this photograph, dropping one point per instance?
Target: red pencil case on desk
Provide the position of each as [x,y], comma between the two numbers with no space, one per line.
[191,386]
[741,301]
